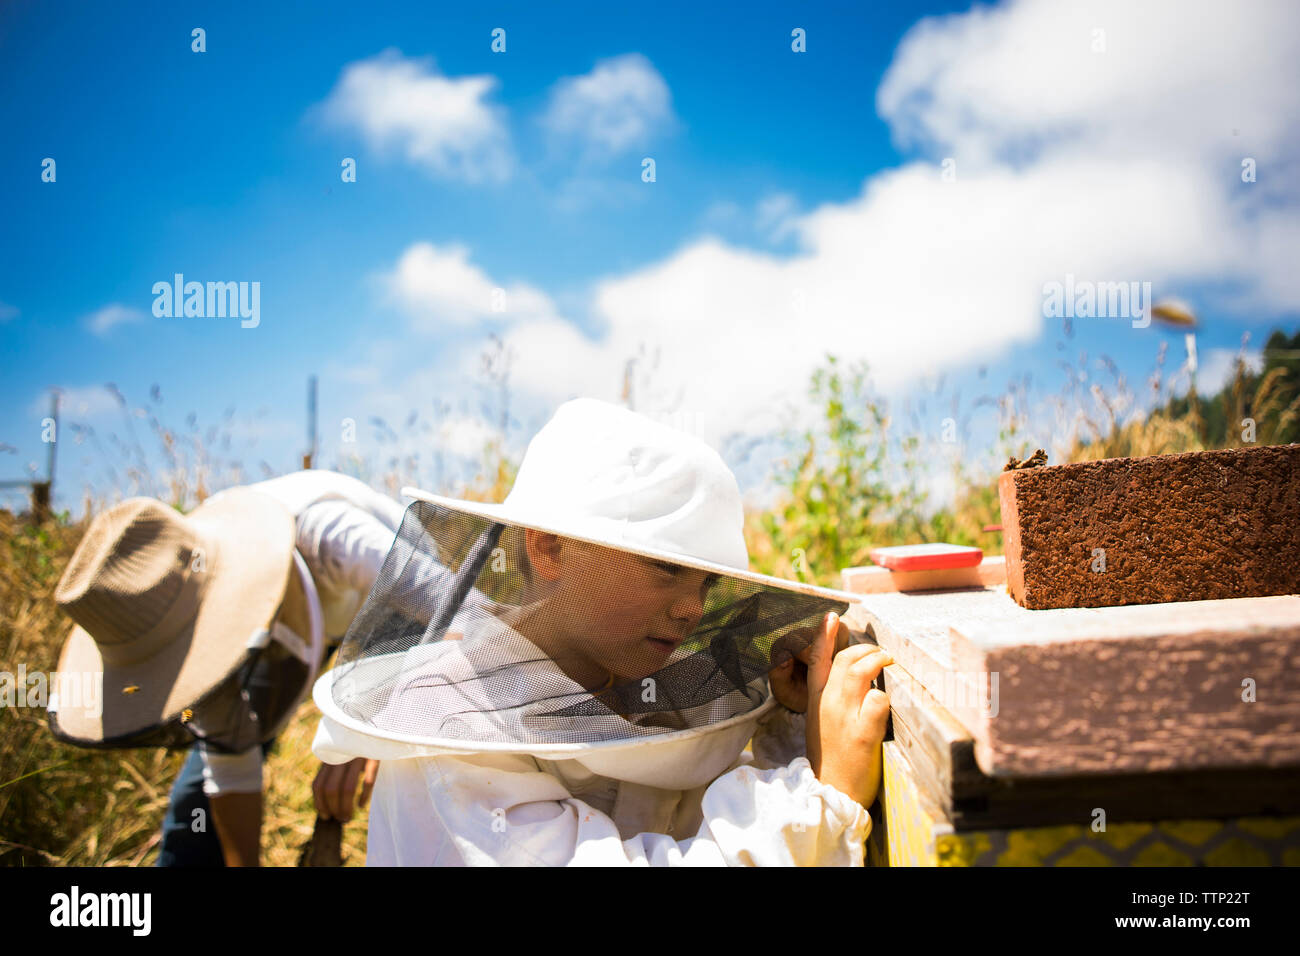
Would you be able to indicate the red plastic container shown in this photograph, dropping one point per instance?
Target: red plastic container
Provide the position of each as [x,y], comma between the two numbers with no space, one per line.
[927,557]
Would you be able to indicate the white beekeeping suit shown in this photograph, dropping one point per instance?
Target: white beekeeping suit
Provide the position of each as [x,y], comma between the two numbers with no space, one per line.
[577,682]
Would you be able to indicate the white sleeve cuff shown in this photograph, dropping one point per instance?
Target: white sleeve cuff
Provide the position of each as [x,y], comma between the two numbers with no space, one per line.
[779,738]
[784,817]
[231,773]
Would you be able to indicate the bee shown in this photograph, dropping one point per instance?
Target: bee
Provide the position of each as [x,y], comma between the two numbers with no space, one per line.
[1033,461]
[130,690]
[187,715]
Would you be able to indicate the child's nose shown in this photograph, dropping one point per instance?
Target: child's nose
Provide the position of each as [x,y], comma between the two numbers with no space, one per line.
[687,606]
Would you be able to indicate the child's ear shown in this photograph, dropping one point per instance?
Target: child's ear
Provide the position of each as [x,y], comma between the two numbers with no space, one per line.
[544,553]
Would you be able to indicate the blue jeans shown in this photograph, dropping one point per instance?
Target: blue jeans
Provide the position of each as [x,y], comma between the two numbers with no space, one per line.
[181,845]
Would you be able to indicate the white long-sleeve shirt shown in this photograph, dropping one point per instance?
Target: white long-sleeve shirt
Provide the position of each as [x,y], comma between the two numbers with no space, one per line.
[345,529]
[769,809]
[344,532]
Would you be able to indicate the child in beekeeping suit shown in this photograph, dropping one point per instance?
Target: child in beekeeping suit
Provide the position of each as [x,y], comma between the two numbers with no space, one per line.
[579,684]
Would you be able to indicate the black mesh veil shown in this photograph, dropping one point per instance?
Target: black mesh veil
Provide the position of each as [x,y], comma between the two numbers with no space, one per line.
[245,709]
[479,631]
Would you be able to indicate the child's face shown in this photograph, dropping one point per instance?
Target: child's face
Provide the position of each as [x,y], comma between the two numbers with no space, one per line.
[613,612]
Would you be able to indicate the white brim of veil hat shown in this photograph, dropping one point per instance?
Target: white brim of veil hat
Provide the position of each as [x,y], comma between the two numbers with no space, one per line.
[615,534]
[604,475]
[680,760]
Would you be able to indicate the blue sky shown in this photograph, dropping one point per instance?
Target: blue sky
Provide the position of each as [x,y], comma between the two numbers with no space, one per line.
[798,207]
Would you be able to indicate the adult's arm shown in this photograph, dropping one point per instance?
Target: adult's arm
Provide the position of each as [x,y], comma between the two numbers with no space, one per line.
[238,820]
[346,548]
[233,784]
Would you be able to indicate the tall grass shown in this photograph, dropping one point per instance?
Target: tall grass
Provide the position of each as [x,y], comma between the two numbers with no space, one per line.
[59,804]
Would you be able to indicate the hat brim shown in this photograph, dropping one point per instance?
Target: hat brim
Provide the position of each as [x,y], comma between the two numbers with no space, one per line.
[511,516]
[251,540]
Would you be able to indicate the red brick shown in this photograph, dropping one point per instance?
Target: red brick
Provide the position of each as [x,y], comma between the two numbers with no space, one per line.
[1189,527]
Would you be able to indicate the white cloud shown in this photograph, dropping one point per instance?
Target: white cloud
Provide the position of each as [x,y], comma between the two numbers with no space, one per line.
[439,286]
[775,215]
[1184,91]
[910,276]
[554,361]
[465,436]
[1217,367]
[104,320]
[618,106]
[441,290]
[8,312]
[1175,77]
[1114,166]
[445,125]
[1106,168]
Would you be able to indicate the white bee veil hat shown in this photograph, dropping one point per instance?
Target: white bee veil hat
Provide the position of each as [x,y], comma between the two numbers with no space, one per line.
[603,612]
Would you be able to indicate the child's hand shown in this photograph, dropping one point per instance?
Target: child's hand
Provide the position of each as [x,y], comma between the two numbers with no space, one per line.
[846,715]
[789,678]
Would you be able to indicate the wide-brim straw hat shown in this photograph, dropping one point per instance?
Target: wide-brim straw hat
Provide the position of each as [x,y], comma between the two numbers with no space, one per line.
[165,605]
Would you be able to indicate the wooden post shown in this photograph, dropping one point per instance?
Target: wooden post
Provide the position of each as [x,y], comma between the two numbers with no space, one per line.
[40,501]
[49,462]
[309,457]
[43,491]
